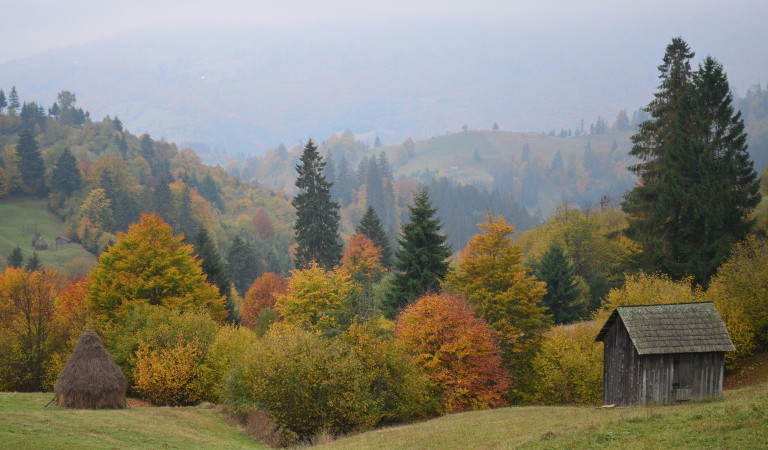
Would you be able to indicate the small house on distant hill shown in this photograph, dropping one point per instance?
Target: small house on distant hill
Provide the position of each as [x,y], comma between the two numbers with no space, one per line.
[663,354]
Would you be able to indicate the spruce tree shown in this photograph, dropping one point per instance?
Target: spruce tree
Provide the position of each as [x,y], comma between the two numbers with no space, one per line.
[561,299]
[33,263]
[3,101]
[30,164]
[214,269]
[370,226]
[16,259]
[421,261]
[66,176]
[13,100]
[698,184]
[242,265]
[317,216]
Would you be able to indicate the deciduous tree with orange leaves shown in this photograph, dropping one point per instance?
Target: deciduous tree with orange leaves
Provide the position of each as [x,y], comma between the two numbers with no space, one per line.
[502,291]
[457,350]
[361,260]
[260,296]
[38,316]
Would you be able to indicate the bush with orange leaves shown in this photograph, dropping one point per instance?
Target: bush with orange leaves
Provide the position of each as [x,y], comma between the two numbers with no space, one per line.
[261,296]
[457,350]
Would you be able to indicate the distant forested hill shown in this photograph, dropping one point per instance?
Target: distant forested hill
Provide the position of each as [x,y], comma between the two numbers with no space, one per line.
[520,175]
[97,178]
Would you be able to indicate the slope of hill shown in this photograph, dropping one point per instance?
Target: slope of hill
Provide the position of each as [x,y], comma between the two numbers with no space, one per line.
[20,218]
[540,170]
[25,422]
[736,422]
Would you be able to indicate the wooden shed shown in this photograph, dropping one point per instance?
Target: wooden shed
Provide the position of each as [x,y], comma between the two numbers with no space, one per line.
[663,354]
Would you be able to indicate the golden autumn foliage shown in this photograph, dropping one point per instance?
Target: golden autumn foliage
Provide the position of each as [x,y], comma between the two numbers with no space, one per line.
[739,290]
[169,376]
[650,289]
[504,293]
[260,296]
[569,366]
[318,300]
[230,346]
[149,265]
[457,350]
[158,332]
[41,317]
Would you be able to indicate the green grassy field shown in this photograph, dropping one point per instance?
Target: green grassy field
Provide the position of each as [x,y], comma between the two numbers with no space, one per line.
[738,421]
[18,216]
[26,423]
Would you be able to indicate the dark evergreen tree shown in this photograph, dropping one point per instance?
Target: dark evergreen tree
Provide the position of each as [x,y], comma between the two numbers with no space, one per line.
[561,299]
[13,100]
[16,259]
[66,176]
[30,163]
[421,261]
[242,264]
[118,124]
[54,111]
[33,263]
[210,191]
[317,216]
[3,101]
[162,201]
[370,226]
[214,269]
[698,184]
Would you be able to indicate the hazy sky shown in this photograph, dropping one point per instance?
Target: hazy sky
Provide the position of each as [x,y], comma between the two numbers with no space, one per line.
[532,65]
[32,26]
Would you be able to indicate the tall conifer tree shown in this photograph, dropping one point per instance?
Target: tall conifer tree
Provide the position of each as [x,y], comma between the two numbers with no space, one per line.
[421,261]
[30,164]
[66,176]
[697,182]
[317,216]
[16,259]
[561,299]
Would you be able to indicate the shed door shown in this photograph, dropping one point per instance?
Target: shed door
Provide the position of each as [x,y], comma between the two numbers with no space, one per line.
[682,377]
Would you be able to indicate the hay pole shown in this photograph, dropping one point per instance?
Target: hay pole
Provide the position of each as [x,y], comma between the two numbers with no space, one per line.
[49,403]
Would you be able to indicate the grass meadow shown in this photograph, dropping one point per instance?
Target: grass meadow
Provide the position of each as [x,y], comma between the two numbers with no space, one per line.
[18,218]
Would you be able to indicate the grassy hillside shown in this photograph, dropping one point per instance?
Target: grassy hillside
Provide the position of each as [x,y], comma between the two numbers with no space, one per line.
[736,422]
[26,423]
[18,218]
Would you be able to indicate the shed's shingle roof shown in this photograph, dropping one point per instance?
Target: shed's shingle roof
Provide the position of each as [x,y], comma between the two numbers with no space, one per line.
[676,328]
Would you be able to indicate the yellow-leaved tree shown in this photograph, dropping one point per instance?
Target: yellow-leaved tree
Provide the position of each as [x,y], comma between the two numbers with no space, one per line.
[318,300]
[503,292]
[739,291]
[149,265]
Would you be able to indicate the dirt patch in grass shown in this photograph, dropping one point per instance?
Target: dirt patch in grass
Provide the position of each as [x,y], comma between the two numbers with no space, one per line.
[136,403]
[751,371]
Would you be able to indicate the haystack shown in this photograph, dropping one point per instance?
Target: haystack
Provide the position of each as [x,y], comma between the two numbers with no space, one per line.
[90,379]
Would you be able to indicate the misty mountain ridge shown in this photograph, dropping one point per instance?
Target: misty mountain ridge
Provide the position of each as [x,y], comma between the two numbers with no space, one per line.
[246,89]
